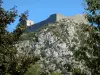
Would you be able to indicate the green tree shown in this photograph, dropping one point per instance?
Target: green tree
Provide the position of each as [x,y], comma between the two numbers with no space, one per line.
[10,61]
[93,12]
[89,51]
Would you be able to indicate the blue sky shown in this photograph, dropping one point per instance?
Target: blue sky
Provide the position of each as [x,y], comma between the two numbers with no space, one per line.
[41,9]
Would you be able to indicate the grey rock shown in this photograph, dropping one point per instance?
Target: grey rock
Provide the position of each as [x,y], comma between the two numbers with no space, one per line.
[55,46]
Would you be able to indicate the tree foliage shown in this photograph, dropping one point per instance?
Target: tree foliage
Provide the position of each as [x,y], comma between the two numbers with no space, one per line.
[93,12]
[10,61]
[89,51]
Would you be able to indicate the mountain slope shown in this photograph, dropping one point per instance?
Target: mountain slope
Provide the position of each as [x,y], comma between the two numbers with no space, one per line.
[55,44]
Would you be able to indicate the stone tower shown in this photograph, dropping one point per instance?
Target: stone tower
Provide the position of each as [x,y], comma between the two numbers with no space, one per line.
[30,22]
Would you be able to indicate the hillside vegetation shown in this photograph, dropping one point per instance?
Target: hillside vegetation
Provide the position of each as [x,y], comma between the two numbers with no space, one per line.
[56,44]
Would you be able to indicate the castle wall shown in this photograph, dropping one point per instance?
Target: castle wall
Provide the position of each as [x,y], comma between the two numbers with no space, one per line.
[59,17]
[53,18]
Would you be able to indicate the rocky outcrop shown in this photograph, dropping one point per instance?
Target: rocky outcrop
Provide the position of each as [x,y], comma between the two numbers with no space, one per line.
[55,43]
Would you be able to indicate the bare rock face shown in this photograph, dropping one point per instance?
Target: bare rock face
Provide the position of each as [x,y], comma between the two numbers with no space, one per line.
[55,43]
[57,17]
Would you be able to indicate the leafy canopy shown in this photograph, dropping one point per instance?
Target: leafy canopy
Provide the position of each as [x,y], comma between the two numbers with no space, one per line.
[10,61]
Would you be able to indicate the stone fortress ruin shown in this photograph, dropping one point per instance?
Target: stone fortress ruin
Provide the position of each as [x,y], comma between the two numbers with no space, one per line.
[77,18]
[53,18]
